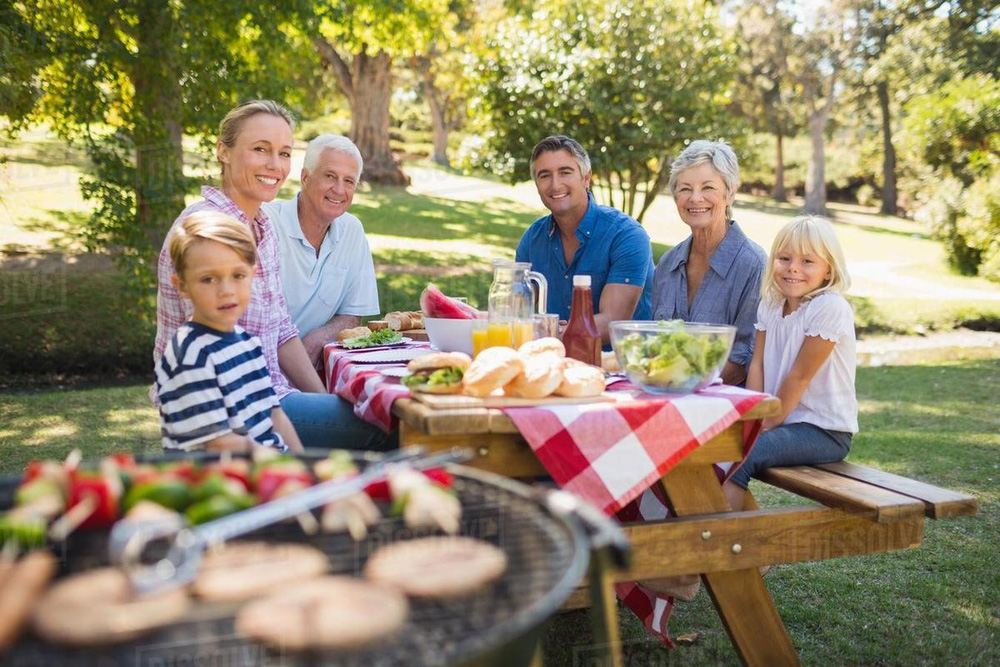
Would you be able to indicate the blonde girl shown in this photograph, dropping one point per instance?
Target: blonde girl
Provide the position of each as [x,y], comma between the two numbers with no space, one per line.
[804,354]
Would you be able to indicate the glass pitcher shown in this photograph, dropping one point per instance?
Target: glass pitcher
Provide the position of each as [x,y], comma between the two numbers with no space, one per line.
[513,295]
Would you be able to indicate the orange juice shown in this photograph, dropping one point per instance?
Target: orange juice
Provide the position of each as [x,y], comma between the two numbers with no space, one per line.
[523,332]
[480,340]
[498,334]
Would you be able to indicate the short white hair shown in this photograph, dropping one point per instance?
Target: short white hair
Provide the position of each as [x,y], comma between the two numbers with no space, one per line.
[333,142]
[720,155]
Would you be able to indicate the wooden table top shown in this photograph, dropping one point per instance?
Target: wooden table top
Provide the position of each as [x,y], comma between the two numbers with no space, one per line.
[463,421]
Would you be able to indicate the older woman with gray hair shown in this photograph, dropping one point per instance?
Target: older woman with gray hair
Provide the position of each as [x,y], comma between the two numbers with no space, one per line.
[713,275]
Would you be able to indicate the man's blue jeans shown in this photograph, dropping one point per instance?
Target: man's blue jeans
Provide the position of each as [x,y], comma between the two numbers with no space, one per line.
[796,444]
[327,421]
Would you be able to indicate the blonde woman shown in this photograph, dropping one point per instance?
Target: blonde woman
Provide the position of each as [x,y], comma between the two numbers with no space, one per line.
[804,354]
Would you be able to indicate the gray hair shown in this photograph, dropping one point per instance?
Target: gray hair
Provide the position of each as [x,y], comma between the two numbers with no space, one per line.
[559,142]
[720,155]
[333,142]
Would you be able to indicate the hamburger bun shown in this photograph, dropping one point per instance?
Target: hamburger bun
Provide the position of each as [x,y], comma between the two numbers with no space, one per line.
[581,381]
[542,345]
[353,332]
[542,374]
[492,369]
[426,365]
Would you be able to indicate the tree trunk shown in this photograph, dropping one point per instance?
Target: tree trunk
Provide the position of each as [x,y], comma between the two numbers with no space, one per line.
[367,83]
[816,176]
[439,124]
[888,151]
[157,130]
[372,78]
[778,194]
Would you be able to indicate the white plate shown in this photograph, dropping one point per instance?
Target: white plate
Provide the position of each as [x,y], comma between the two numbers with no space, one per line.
[374,347]
[395,372]
[392,356]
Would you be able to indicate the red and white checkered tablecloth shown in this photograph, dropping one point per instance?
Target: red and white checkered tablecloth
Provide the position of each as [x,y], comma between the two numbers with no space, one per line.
[608,453]
[364,385]
[611,454]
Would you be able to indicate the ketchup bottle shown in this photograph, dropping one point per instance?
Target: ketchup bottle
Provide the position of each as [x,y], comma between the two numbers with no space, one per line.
[581,338]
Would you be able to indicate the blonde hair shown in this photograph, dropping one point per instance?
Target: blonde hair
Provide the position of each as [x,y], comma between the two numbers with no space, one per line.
[211,226]
[233,122]
[808,234]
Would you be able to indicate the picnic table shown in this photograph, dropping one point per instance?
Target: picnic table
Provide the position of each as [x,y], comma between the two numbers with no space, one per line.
[860,510]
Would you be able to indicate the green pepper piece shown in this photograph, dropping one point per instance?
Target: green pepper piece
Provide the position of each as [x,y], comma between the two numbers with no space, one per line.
[170,493]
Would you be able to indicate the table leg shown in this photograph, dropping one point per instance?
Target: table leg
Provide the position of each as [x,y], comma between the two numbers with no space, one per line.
[604,611]
[740,597]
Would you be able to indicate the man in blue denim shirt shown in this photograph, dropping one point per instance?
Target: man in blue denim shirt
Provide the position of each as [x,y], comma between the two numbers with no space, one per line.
[581,237]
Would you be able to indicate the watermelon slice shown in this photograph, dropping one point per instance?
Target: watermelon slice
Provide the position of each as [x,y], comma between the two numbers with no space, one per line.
[436,303]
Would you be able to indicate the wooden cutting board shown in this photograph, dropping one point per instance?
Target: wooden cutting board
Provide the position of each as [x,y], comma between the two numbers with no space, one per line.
[446,401]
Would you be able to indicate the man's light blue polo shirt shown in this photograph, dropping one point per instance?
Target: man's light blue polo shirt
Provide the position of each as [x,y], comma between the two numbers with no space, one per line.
[614,248]
[340,281]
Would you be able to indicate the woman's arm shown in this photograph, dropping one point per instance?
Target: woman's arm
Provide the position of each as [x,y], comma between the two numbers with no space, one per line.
[814,351]
[294,363]
[284,428]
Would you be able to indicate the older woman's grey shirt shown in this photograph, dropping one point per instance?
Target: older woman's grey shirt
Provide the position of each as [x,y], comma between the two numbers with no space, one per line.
[728,294]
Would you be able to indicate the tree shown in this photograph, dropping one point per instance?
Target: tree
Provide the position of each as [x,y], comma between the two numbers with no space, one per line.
[765,40]
[24,52]
[128,80]
[828,41]
[955,132]
[629,79]
[358,42]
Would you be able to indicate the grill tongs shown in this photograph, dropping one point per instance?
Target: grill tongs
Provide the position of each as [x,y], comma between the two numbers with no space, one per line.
[130,539]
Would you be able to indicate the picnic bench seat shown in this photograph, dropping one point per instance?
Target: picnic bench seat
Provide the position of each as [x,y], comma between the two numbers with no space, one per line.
[880,496]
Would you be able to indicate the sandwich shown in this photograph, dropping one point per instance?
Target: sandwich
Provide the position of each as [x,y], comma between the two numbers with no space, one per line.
[437,373]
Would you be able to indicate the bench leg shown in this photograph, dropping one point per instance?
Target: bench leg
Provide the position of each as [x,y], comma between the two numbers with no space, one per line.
[743,602]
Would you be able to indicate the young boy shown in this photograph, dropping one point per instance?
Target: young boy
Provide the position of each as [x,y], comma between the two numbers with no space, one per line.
[212,381]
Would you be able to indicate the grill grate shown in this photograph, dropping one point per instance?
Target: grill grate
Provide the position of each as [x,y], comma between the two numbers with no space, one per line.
[546,559]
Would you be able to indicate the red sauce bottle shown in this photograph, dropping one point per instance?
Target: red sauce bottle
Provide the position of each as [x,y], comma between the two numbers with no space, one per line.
[581,337]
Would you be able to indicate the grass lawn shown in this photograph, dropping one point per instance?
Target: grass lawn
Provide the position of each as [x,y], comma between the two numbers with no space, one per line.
[935,605]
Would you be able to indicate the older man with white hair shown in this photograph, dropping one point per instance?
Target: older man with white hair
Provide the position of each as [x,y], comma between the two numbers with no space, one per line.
[327,272]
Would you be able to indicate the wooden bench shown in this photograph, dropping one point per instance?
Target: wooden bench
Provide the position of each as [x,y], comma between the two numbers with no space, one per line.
[876,495]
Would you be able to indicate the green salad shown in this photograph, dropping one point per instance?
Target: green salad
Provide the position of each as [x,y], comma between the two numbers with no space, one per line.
[671,358]
[379,337]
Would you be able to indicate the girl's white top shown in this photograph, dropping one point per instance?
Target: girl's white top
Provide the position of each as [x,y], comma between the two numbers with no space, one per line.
[830,400]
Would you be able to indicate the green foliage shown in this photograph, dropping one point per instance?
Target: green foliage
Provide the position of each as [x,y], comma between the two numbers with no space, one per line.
[629,79]
[23,52]
[128,80]
[59,323]
[955,132]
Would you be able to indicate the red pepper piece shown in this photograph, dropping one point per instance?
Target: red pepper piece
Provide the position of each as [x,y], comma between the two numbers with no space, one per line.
[380,490]
[237,469]
[269,481]
[103,489]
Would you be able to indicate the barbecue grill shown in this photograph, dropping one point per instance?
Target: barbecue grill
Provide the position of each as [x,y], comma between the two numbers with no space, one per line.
[548,537]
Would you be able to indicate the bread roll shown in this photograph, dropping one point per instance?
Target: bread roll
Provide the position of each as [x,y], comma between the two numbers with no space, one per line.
[609,362]
[352,332]
[581,381]
[542,345]
[399,321]
[542,374]
[416,320]
[492,369]
[375,325]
